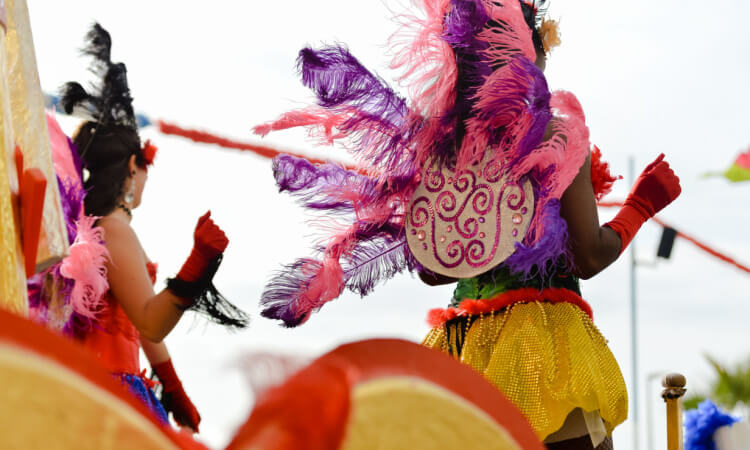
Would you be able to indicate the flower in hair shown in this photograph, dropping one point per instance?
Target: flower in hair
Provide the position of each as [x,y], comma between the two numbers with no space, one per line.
[149,152]
[550,34]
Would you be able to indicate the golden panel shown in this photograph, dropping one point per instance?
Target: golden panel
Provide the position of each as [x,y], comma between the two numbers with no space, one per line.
[30,127]
[12,274]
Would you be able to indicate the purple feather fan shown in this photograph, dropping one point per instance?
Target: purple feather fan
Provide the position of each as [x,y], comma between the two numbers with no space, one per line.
[375,229]
[280,294]
[375,260]
[500,101]
[376,122]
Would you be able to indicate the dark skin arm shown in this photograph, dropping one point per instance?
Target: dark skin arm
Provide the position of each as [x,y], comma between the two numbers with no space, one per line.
[593,247]
[434,279]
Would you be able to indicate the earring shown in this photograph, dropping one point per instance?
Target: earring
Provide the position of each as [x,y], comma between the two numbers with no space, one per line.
[130,194]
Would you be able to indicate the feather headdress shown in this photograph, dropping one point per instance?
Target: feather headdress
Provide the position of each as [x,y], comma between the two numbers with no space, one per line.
[108,101]
[469,71]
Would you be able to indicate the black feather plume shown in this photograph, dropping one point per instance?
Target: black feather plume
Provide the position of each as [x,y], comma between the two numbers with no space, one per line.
[108,101]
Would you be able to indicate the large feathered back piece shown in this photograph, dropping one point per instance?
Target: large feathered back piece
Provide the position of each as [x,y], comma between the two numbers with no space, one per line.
[468,67]
[108,100]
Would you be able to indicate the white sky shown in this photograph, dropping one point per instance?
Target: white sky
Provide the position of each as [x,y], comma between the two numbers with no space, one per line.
[665,76]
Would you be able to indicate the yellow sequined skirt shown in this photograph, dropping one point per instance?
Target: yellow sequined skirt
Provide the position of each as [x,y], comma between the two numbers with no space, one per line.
[548,359]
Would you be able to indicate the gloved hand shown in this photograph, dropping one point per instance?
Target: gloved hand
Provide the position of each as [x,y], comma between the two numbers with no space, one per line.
[174,399]
[209,242]
[655,188]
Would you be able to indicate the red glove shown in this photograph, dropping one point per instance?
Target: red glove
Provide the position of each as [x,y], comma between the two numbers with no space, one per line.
[655,188]
[174,399]
[209,242]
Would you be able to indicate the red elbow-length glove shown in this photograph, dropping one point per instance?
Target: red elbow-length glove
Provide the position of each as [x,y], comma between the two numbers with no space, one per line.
[655,188]
[209,242]
[174,399]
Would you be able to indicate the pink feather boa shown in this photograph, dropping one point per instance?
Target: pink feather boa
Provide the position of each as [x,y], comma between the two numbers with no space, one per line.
[86,266]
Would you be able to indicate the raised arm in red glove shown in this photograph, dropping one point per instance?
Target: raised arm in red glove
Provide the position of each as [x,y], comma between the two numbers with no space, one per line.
[655,188]
[174,399]
[193,285]
[209,242]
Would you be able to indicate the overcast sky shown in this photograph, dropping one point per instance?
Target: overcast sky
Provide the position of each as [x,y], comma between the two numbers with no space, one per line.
[668,76]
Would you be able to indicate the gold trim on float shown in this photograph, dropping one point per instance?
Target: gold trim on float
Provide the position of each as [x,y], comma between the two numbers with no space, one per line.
[46,405]
[419,415]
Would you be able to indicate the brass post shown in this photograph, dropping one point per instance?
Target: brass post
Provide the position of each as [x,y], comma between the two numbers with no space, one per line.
[674,389]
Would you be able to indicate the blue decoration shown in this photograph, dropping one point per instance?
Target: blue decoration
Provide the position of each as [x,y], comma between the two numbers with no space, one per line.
[142,120]
[53,101]
[701,423]
[144,393]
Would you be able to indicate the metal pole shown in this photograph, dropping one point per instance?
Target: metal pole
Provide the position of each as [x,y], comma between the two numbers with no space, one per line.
[633,327]
[649,418]
[649,405]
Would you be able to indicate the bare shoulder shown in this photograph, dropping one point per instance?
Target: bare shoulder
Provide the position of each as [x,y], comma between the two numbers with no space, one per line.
[119,235]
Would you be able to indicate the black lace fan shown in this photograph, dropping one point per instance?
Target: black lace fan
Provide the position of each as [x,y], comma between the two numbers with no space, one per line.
[108,101]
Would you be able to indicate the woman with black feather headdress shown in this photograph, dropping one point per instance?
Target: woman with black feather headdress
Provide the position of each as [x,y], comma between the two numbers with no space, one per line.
[133,315]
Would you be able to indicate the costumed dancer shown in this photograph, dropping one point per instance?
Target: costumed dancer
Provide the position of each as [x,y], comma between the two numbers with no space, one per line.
[485,179]
[102,294]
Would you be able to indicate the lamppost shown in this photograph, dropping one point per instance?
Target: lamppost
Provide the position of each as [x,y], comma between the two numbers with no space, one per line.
[649,402]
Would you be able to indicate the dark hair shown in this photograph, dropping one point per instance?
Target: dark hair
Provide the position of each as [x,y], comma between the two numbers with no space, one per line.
[106,150]
[533,17]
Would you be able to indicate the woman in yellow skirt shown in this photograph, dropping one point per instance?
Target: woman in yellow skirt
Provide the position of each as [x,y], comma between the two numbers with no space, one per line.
[483,179]
[523,324]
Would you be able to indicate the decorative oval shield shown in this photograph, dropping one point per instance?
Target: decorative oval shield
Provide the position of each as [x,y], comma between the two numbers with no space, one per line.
[463,224]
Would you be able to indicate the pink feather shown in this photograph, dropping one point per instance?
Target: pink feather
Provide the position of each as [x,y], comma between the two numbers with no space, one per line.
[328,282]
[566,149]
[516,39]
[86,265]
[428,63]
[62,156]
[504,87]
[313,117]
[566,105]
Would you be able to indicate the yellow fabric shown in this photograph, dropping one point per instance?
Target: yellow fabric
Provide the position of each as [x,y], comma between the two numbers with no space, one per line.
[548,359]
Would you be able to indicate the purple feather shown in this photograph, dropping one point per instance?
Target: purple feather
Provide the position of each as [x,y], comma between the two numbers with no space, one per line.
[375,219]
[376,260]
[321,187]
[533,260]
[462,25]
[71,201]
[314,185]
[281,293]
[537,98]
[510,97]
[376,115]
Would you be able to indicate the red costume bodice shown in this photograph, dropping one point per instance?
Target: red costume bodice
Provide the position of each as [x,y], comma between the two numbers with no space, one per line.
[114,339]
